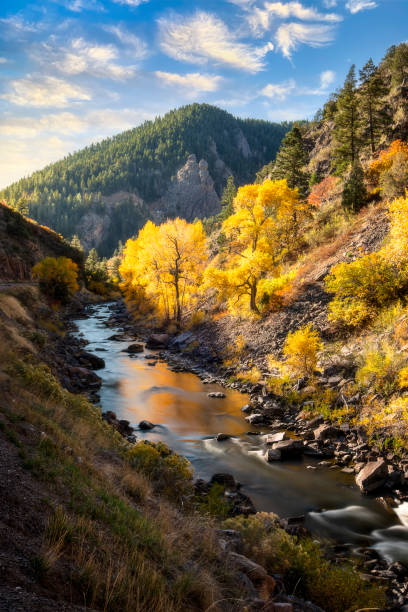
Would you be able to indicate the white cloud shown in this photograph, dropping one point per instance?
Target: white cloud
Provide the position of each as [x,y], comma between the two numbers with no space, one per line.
[82,57]
[204,37]
[355,6]
[39,91]
[132,3]
[16,25]
[3,60]
[290,35]
[135,44]
[261,19]
[77,6]
[330,3]
[327,78]
[193,82]
[278,90]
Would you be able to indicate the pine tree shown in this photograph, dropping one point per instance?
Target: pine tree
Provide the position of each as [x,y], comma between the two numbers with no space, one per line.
[372,93]
[347,124]
[227,199]
[76,243]
[290,161]
[354,192]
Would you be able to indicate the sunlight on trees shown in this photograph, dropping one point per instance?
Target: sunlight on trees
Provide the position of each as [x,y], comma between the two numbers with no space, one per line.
[300,349]
[264,225]
[162,268]
[57,277]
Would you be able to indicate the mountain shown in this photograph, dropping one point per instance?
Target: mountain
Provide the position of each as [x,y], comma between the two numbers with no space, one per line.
[177,164]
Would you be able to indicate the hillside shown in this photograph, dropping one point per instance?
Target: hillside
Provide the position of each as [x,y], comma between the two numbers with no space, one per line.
[23,243]
[175,165]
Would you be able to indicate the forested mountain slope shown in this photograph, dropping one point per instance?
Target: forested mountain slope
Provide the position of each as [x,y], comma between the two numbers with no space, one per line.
[105,192]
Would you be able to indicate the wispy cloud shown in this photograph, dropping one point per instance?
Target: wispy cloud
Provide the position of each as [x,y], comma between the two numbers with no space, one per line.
[192,83]
[132,3]
[290,35]
[355,6]
[17,25]
[204,37]
[77,6]
[278,90]
[44,91]
[133,43]
[83,57]
[3,60]
[261,19]
[329,3]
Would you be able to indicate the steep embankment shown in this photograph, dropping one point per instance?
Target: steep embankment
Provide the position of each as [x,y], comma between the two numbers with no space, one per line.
[23,243]
[175,165]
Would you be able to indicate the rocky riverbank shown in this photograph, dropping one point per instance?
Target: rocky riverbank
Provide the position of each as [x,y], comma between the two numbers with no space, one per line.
[287,434]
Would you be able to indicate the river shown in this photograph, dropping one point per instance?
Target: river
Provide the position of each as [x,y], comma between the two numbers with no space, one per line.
[188,421]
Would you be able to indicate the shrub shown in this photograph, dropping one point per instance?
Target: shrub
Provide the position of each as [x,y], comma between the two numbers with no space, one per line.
[393,182]
[253,375]
[380,369]
[362,288]
[300,349]
[396,248]
[396,153]
[337,588]
[171,473]
[323,191]
[57,277]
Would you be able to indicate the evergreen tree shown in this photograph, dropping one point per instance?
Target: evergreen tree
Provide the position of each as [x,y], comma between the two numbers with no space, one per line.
[347,124]
[354,191]
[227,199]
[399,65]
[290,161]
[372,93]
[76,243]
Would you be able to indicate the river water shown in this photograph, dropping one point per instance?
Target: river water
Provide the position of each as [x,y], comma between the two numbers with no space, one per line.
[187,420]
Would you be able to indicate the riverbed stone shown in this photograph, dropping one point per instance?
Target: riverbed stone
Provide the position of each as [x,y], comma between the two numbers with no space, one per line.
[326,432]
[222,436]
[158,341]
[146,425]
[255,419]
[372,476]
[289,448]
[272,455]
[134,348]
[276,437]
[253,570]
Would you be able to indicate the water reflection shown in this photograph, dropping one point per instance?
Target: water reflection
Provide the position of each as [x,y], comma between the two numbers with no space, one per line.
[188,421]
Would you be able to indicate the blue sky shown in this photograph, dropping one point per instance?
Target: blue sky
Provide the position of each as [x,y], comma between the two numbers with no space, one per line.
[75,71]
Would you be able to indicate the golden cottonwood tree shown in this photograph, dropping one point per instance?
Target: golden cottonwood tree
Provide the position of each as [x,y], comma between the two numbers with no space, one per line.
[264,224]
[163,266]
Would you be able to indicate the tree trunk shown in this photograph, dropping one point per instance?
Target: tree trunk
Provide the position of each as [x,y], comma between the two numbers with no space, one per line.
[253,305]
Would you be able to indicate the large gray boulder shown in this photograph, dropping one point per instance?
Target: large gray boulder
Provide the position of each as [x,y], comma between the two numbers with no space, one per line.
[289,449]
[372,476]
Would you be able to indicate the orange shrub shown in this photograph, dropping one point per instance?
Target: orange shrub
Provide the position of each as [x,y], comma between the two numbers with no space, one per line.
[321,192]
[386,158]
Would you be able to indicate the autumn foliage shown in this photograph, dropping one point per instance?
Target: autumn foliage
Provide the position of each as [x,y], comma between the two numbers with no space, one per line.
[321,192]
[263,227]
[300,349]
[57,277]
[162,268]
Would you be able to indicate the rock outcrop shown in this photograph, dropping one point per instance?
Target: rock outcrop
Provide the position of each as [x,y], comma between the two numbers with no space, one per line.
[191,194]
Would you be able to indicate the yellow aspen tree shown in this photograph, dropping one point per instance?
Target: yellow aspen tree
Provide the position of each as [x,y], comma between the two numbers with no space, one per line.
[163,266]
[264,224]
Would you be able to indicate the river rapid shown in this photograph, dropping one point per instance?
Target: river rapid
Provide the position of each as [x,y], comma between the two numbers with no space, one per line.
[137,388]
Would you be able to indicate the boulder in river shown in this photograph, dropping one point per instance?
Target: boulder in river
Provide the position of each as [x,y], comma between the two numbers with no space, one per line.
[216,394]
[222,436]
[276,437]
[134,348]
[146,425]
[372,476]
[225,480]
[255,419]
[272,454]
[290,449]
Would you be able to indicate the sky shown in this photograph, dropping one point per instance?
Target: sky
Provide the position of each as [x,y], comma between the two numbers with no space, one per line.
[73,72]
